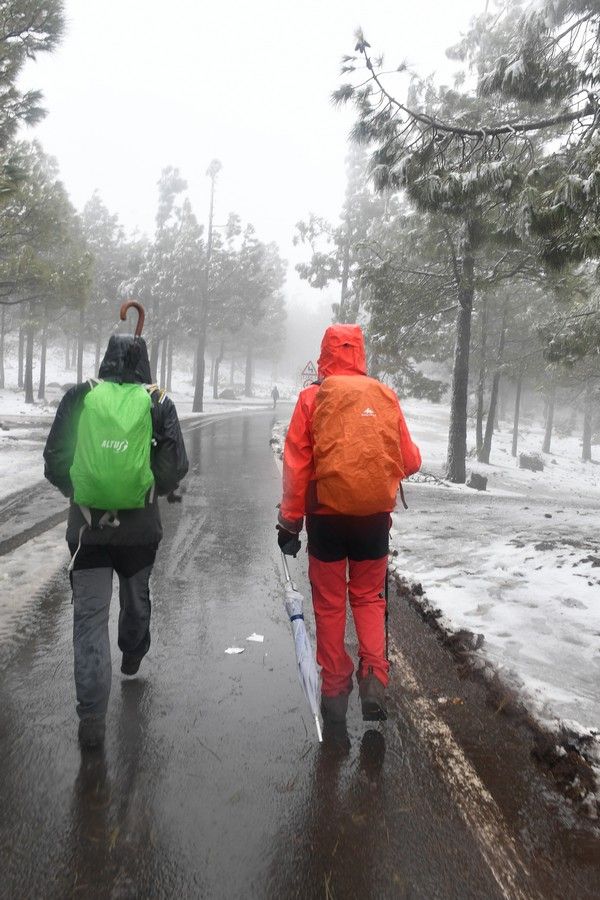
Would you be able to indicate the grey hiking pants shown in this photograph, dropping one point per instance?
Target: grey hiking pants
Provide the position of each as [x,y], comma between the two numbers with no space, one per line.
[92,579]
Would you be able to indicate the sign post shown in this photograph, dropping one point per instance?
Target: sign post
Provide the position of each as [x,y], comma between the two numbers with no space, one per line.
[308,374]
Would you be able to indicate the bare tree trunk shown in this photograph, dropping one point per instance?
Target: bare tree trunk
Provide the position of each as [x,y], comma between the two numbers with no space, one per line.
[194,367]
[211,377]
[155,340]
[218,360]
[21,356]
[198,404]
[482,373]
[345,277]
[80,346]
[154,353]
[586,450]
[457,435]
[29,364]
[484,455]
[500,406]
[97,355]
[232,372]
[515,434]
[163,360]
[43,353]
[67,352]
[170,364]
[249,371]
[2,334]
[549,420]
[74,346]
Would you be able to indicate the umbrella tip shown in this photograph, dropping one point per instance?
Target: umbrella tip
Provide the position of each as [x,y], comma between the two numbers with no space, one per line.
[319,732]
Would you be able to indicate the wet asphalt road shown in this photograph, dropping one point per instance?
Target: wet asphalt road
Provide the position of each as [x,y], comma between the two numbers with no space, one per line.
[211,783]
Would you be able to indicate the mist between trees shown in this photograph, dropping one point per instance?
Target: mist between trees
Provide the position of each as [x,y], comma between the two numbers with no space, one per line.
[468,242]
[467,245]
[62,273]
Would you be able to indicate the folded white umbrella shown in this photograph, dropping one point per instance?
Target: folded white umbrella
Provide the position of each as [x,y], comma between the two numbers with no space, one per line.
[307,667]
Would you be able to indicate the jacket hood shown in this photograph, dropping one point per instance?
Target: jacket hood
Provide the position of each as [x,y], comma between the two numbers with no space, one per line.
[126,359]
[342,351]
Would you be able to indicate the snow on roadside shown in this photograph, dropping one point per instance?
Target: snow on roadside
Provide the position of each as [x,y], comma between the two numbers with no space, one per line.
[24,574]
[21,462]
[518,564]
[278,433]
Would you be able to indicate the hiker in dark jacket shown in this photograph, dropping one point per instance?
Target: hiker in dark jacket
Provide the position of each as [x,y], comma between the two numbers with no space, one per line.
[100,547]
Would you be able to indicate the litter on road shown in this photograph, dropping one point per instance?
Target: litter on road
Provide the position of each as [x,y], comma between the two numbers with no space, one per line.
[232,650]
[257,638]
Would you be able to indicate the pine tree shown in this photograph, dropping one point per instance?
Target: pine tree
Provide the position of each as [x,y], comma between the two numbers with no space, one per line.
[477,156]
[44,261]
[27,28]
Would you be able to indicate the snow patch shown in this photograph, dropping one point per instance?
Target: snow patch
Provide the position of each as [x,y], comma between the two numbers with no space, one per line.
[25,574]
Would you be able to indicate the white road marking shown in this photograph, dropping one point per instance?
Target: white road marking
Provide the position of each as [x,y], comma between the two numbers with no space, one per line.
[188,423]
[204,423]
[476,805]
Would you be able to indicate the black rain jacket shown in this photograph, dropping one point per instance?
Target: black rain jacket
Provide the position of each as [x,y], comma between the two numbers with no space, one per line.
[124,361]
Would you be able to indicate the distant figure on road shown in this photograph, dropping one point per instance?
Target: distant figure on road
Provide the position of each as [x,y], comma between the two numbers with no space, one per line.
[115,445]
[275,396]
[346,451]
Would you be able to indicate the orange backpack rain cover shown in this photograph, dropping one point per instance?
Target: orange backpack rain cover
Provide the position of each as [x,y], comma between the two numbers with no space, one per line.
[356,445]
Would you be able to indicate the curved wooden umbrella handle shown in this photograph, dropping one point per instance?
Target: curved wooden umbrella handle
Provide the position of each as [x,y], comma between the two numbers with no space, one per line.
[141,315]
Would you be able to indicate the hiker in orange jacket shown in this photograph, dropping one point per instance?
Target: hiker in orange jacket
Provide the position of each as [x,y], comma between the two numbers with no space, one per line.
[346,451]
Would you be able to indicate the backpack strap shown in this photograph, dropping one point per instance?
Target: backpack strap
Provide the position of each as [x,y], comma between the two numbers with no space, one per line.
[157,396]
[402,497]
[157,393]
[94,382]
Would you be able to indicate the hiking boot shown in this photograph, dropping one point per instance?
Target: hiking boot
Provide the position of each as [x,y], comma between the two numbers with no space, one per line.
[91,732]
[130,664]
[336,740]
[372,696]
[334,709]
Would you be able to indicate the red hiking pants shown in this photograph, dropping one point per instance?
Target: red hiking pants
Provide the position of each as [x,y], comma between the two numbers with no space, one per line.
[361,581]
[364,587]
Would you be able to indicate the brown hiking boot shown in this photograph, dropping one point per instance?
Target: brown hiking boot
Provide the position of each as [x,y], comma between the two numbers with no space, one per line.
[334,709]
[372,696]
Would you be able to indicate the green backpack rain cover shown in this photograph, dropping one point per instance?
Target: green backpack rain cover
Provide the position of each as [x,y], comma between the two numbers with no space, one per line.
[111,468]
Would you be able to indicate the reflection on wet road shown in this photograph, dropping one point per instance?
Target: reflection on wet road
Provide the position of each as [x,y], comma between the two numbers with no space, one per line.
[211,783]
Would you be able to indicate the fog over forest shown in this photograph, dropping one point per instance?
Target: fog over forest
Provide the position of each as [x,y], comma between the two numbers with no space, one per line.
[201,166]
[114,127]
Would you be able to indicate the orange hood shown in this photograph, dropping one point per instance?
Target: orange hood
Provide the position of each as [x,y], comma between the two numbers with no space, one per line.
[342,351]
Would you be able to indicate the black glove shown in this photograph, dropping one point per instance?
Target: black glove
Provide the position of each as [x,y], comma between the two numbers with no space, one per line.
[172,497]
[289,543]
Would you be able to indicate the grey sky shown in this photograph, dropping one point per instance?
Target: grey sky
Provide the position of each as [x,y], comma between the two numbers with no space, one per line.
[141,84]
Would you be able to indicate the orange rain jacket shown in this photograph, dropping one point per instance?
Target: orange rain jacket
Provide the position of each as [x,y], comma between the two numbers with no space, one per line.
[342,353]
